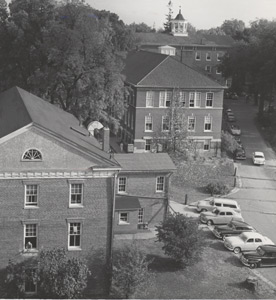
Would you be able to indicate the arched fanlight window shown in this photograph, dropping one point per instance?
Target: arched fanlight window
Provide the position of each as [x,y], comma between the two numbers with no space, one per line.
[32,154]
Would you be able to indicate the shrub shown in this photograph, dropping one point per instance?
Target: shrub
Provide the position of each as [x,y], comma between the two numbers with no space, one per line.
[228,143]
[181,238]
[218,188]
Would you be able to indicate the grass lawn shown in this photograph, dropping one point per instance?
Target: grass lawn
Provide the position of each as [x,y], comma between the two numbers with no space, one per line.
[192,177]
[218,275]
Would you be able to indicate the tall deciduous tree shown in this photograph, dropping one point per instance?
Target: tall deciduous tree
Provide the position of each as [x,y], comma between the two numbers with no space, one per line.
[67,53]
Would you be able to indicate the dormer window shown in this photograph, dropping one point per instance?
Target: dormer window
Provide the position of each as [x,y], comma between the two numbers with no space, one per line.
[32,154]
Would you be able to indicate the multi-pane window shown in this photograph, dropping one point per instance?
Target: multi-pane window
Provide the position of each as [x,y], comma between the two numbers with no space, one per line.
[30,286]
[141,216]
[191,123]
[209,99]
[122,184]
[194,99]
[218,71]
[208,69]
[208,56]
[165,123]
[182,98]
[160,180]
[148,145]
[123,218]
[74,235]
[31,195]
[30,236]
[165,98]
[219,56]
[197,56]
[206,145]
[149,99]
[148,123]
[76,194]
[32,154]
[207,123]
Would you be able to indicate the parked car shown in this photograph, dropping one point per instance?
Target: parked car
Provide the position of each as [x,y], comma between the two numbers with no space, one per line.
[209,205]
[264,256]
[239,153]
[246,241]
[234,227]
[234,129]
[220,215]
[258,158]
[231,117]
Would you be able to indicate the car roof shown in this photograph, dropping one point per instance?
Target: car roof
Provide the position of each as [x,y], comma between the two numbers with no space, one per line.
[258,153]
[225,200]
[270,248]
[240,223]
[252,234]
[226,209]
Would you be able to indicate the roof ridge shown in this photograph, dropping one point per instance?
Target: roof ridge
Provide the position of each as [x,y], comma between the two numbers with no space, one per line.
[17,88]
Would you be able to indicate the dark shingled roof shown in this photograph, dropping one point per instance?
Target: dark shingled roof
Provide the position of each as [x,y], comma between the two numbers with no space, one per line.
[127,203]
[179,16]
[19,108]
[151,69]
[159,39]
[148,162]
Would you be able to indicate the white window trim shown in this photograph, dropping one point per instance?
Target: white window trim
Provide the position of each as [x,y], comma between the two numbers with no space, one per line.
[120,222]
[25,196]
[197,102]
[207,142]
[32,160]
[189,118]
[182,98]
[219,56]
[208,67]
[122,192]
[148,139]
[162,129]
[74,248]
[76,205]
[143,215]
[218,72]
[198,52]
[208,59]
[152,95]
[32,250]
[166,92]
[211,121]
[147,130]
[160,191]
[209,99]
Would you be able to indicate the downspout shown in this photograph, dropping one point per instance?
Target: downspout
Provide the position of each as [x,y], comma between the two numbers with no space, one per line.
[110,262]
[166,210]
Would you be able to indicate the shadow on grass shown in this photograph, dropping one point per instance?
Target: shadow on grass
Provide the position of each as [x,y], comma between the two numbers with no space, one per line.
[234,261]
[218,245]
[242,286]
[203,190]
[163,264]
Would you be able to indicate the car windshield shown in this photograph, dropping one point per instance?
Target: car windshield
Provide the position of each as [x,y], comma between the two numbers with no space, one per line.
[259,156]
[211,202]
[243,237]
[215,211]
[260,251]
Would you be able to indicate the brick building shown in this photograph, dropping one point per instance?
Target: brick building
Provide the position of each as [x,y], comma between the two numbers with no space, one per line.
[202,52]
[57,185]
[152,79]
[142,191]
[60,189]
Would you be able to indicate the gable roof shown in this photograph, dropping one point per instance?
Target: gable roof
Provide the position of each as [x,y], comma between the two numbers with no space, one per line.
[151,69]
[19,108]
[198,39]
[146,162]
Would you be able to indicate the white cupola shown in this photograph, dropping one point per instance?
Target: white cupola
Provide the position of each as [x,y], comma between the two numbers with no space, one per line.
[179,25]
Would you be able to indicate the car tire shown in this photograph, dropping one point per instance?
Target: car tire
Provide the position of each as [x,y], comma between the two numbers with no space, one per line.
[253,265]
[237,250]
[210,223]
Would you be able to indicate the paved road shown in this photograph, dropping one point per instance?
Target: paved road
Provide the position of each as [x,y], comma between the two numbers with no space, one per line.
[257,195]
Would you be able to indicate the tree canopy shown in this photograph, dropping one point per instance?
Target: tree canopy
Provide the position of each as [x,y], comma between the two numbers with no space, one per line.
[67,53]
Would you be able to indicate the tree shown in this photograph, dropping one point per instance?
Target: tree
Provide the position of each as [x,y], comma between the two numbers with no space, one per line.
[228,143]
[130,271]
[167,24]
[140,27]
[181,238]
[234,28]
[68,54]
[174,134]
[55,275]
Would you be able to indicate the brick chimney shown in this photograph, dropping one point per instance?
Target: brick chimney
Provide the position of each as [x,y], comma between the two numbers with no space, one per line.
[105,139]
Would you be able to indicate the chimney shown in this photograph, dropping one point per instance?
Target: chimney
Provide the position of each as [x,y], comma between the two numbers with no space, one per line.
[105,139]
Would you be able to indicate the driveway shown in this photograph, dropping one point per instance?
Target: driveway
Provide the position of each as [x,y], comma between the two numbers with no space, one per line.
[257,193]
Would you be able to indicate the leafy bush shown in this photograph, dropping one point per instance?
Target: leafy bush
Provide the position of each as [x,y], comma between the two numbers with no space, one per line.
[130,271]
[181,238]
[228,143]
[218,188]
[55,275]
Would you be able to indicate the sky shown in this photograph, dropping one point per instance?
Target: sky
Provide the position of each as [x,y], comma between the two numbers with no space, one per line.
[202,14]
